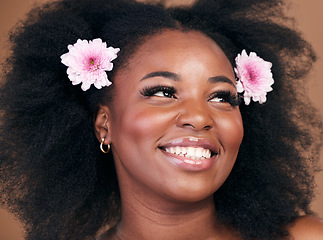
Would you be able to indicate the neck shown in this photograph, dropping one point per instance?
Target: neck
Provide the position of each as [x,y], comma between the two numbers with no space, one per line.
[179,221]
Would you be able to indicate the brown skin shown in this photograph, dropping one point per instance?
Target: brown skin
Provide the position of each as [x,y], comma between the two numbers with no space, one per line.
[307,228]
[159,198]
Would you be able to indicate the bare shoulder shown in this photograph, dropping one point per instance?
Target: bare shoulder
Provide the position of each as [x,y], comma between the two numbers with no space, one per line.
[108,235]
[10,227]
[307,228]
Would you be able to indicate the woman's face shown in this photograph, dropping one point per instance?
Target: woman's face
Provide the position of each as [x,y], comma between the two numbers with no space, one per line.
[174,125]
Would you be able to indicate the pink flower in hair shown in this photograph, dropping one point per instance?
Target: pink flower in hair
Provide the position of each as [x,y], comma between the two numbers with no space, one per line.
[254,77]
[88,61]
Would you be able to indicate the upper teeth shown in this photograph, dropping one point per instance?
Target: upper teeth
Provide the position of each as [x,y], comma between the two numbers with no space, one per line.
[190,152]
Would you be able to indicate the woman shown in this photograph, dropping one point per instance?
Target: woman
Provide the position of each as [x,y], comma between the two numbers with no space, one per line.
[159,148]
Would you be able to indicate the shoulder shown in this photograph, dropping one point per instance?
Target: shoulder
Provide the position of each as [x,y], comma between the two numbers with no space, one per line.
[307,228]
[108,235]
[10,227]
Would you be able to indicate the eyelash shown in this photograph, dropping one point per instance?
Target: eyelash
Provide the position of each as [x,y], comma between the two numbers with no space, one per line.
[226,95]
[229,97]
[151,91]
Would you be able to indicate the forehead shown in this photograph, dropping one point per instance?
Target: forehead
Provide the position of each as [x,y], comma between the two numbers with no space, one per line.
[179,39]
[179,52]
[171,44]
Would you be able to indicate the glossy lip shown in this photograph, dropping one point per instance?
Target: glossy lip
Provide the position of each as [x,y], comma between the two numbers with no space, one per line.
[187,163]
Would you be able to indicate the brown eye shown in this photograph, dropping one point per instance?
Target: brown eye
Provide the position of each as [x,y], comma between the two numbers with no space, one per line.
[159,91]
[164,94]
[225,97]
[217,99]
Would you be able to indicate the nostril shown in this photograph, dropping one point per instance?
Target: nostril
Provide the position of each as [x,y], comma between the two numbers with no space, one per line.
[208,127]
[194,119]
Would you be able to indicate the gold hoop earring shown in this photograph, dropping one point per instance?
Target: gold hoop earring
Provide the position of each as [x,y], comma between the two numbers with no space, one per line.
[101,147]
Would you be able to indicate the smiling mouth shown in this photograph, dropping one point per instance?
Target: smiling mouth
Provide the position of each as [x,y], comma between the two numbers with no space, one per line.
[195,153]
[190,158]
[191,153]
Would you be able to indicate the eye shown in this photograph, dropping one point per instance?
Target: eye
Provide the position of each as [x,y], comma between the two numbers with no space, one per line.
[163,94]
[225,97]
[217,99]
[159,91]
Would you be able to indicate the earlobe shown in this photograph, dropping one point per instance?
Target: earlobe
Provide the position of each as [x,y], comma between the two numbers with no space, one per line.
[102,125]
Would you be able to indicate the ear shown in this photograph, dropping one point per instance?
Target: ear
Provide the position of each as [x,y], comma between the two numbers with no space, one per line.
[102,125]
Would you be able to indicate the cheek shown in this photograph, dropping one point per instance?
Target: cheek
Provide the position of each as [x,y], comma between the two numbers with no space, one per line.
[141,124]
[230,134]
[231,131]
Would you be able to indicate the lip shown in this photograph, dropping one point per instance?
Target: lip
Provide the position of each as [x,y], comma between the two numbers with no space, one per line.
[187,163]
[192,142]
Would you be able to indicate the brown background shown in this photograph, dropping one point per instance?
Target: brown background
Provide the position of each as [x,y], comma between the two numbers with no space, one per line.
[308,14]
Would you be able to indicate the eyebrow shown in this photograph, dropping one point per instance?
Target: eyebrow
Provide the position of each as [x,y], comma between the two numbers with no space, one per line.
[175,77]
[220,79]
[165,74]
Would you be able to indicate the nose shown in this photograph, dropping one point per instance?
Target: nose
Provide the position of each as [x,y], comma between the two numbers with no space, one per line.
[195,115]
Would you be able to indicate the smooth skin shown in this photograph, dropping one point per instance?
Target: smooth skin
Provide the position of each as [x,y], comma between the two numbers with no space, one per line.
[160,199]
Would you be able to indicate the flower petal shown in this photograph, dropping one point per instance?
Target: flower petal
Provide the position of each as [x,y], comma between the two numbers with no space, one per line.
[254,77]
[88,61]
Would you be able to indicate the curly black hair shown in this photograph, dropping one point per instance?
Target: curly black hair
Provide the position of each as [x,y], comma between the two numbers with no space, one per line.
[53,174]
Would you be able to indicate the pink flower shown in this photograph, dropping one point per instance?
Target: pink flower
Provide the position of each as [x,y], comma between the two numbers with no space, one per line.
[87,62]
[254,77]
